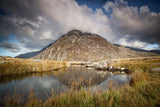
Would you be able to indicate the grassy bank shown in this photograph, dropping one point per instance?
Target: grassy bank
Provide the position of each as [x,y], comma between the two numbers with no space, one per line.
[20,66]
[142,91]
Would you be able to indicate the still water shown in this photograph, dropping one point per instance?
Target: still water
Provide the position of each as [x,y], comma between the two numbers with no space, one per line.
[74,77]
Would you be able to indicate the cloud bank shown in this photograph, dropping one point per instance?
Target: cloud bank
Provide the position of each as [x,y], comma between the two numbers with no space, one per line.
[36,23]
[137,23]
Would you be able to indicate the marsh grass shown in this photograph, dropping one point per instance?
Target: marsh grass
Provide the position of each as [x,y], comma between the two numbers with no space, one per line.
[142,91]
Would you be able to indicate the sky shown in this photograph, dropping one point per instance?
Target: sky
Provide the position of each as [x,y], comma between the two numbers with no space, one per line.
[30,25]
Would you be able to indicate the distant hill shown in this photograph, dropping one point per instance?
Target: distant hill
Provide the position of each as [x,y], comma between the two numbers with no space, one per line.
[28,55]
[142,50]
[155,51]
[32,54]
[132,48]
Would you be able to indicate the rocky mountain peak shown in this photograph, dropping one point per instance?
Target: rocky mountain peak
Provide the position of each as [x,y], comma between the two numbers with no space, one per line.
[74,32]
[78,46]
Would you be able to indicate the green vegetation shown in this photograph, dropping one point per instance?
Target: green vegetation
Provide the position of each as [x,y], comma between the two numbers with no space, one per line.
[20,66]
[142,91]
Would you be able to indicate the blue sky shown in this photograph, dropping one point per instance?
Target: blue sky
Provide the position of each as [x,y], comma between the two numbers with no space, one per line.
[27,26]
[153,4]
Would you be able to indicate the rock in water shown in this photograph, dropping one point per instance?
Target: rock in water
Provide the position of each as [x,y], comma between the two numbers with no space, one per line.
[78,46]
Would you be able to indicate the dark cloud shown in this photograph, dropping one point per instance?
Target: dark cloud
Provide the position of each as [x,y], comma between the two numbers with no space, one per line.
[24,19]
[10,46]
[21,8]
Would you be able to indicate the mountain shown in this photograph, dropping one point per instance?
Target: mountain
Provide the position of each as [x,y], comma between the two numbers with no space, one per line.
[79,46]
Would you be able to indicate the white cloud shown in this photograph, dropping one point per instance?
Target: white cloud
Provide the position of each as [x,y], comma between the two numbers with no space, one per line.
[69,15]
[139,23]
[108,6]
[46,35]
[144,10]
[132,43]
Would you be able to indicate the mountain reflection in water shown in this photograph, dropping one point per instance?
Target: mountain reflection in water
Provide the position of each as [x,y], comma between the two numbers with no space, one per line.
[78,76]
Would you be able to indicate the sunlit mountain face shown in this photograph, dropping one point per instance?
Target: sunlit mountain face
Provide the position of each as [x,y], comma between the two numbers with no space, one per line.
[29,26]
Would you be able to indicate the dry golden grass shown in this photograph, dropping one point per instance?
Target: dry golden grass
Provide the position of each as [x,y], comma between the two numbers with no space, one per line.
[143,63]
[17,66]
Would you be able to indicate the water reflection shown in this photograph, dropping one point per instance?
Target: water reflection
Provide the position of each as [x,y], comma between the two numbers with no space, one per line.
[115,80]
[42,84]
[78,76]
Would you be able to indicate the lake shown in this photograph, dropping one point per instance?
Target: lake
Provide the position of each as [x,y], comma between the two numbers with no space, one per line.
[74,77]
